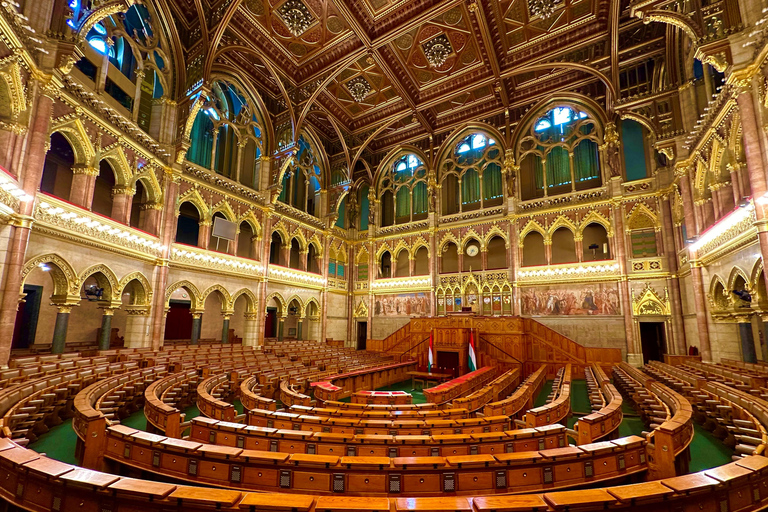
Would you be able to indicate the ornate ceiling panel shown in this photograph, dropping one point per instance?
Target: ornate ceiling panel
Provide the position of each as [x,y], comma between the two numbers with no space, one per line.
[521,27]
[361,87]
[439,49]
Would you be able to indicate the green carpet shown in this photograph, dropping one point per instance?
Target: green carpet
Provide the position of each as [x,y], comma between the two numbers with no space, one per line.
[631,425]
[707,451]
[59,443]
[418,395]
[546,389]
[136,420]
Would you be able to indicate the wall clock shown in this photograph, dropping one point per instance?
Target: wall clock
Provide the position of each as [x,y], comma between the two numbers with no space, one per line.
[472,250]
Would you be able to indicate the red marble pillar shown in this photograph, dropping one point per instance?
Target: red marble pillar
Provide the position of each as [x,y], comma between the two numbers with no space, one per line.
[514,258]
[30,175]
[634,355]
[548,251]
[699,297]
[434,272]
[698,211]
[688,206]
[737,187]
[411,265]
[122,201]
[717,210]
[303,260]
[83,181]
[204,235]
[262,292]
[153,219]
[233,244]
[285,255]
[725,197]
[755,171]
[580,250]
[167,233]
[675,299]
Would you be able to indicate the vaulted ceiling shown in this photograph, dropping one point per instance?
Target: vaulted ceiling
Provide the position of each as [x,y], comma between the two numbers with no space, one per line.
[359,69]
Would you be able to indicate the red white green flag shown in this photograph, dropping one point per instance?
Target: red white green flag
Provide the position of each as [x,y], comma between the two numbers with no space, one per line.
[429,363]
[472,352]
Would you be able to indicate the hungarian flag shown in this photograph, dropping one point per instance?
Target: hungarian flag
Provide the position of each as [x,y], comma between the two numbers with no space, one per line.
[472,352]
[429,364]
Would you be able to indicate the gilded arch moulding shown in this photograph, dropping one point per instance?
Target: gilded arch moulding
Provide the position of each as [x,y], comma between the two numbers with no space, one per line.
[282,311]
[66,285]
[649,303]
[194,294]
[144,295]
[595,217]
[250,300]
[225,297]
[74,131]
[108,278]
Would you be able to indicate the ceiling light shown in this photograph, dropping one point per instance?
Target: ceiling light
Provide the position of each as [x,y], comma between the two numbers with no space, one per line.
[359,88]
[543,8]
[437,50]
[296,16]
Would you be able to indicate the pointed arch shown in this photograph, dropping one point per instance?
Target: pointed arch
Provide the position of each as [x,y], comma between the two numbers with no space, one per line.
[149,180]
[471,234]
[108,281]
[418,244]
[447,147]
[448,237]
[300,302]
[66,284]
[280,300]
[144,297]
[312,300]
[193,196]
[250,299]
[299,236]
[250,218]
[226,298]
[116,158]
[737,272]
[282,231]
[495,231]
[224,208]
[755,274]
[531,225]
[74,131]
[595,217]
[362,255]
[381,250]
[386,163]
[194,294]
[562,222]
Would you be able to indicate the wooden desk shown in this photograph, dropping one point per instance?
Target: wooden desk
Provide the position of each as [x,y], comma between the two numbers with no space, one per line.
[433,504]
[428,377]
[640,492]
[277,501]
[334,503]
[527,503]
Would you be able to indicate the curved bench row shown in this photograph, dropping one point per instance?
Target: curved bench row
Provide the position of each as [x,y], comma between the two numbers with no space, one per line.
[292,394]
[522,398]
[559,408]
[215,406]
[501,386]
[206,430]
[34,482]
[357,425]
[671,420]
[461,386]
[163,399]
[251,399]
[376,411]
[375,476]
[606,421]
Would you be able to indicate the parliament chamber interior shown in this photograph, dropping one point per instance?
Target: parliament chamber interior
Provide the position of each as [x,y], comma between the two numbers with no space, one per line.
[383,255]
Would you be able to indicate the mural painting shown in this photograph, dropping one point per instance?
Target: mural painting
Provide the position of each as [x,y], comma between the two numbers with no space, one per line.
[404,304]
[596,299]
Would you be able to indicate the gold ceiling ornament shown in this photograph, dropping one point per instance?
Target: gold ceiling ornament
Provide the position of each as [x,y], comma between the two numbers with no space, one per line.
[296,16]
[543,8]
[359,88]
[437,50]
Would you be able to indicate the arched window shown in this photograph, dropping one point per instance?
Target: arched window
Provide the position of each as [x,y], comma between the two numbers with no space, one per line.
[534,253]
[301,184]
[594,242]
[102,190]
[295,254]
[449,258]
[275,249]
[245,246]
[227,136]
[559,154]
[365,207]
[188,224]
[403,191]
[471,176]
[633,137]
[563,246]
[57,170]
[385,269]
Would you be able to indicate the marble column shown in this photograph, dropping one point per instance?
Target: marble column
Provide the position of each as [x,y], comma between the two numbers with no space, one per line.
[106,328]
[678,329]
[30,174]
[122,201]
[737,186]
[60,328]
[634,353]
[225,328]
[280,328]
[303,260]
[285,255]
[548,251]
[197,322]
[688,206]
[137,328]
[579,242]
[251,330]
[299,325]
[204,235]
[153,217]
[716,206]
[700,300]
[81,190]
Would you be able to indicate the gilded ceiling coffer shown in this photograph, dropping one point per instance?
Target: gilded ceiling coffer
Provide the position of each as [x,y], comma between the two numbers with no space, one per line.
[359,88]
[296,16]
